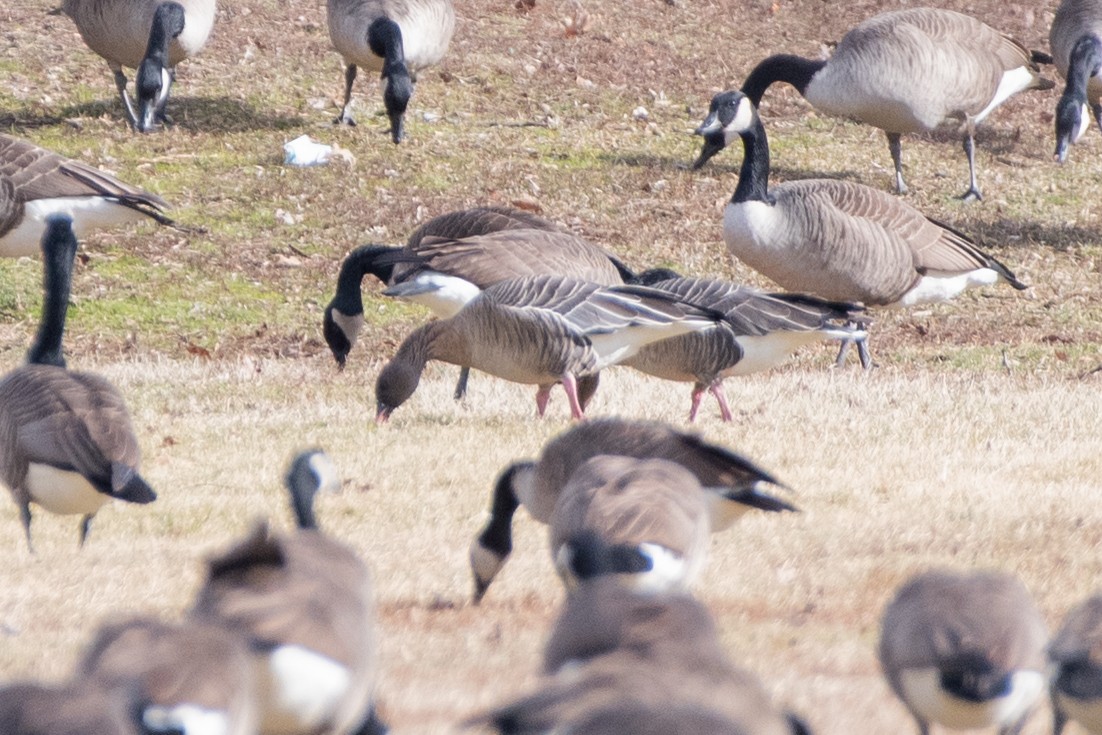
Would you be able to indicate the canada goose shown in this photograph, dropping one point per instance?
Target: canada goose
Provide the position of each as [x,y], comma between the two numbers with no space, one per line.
[305,603]
[836,239]
[761,330]
[543,330]
[1076,654]
[965,650]
[538,485]
[460,253]
[910,71]
[397,38]
[35,183]
[653,513]
[193,677]
[1076,42]
[66,441]
[75,708]
[612,647]
[151,36]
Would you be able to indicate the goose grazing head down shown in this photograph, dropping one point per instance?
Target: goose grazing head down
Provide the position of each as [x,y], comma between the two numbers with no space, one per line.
[1076,42]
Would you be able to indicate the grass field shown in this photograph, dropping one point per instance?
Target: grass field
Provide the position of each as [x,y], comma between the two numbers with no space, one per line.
[974,443]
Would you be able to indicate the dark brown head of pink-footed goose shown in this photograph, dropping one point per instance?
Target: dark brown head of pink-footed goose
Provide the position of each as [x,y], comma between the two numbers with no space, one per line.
[151,36]
[192,677]
[836,239]
[450,258]
[66,440]
[1076,42]
[910,71]
[541,330]
[736,485]
[397,39]
[35,183]
[613,648]
[1075,653]
[760,331]
[965,651]
[304,602]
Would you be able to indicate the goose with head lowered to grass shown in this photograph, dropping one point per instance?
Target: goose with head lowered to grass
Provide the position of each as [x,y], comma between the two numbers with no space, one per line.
[1076,42]
[1075,653]
[737,483]
[151,36]
[910,71]
[541,330]
[760,331]
[35,183]
[397,38]
[66,441]
[304,602]
[836,239]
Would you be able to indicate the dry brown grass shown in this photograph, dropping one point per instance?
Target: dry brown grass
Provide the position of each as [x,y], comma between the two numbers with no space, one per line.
[974,443]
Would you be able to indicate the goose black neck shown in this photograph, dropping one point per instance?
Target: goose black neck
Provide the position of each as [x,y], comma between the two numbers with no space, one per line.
[497,536]
[359,263]
[168,23]
[302,482]
[1085,61]
[753,177]
[59,248]
[794,70]
[385,39]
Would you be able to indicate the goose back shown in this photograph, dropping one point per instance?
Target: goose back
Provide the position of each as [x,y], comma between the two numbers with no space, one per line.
[478,221]
[119,31]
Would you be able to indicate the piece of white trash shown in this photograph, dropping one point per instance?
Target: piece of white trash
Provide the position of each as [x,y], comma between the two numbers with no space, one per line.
[302,151]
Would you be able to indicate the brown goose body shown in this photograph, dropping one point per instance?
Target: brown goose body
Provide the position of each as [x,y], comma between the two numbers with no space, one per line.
[541,330]
[965,650]
[77,708]
[35,182]
[1076,655]
[737,482]
[187,673]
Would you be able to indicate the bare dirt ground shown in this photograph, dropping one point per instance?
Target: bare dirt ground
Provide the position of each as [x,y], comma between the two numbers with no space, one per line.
[973,444]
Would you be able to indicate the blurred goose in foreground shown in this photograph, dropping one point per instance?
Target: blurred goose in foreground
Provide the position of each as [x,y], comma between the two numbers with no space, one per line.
[35,183]
[652,513]
[760,331]
[151,36]
[66,440]
[397,38]
[1076,654]
[737,483]
[910,71]
[76,708]
[965,650]
[836,239]
[304,602]
[452,257]
[613,648]
[192,678]
[1076,42]
[542,330]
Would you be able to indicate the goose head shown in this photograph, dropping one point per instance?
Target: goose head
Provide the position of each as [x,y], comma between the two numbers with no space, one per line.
[310,472]
[154,78]
[729,116]
[1072,119]
[396,383]
[340,333]
[397,90]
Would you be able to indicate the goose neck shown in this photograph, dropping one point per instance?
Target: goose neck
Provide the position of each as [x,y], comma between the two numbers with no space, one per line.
[59,252]
[753,179]
[1085,61]
[794,70]
[168,23]
[385,39]
[359,263]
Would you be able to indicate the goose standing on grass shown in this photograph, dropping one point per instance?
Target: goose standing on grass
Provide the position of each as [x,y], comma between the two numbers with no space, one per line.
[910,71]
[1076,655]
[836,239]
[737,482]
[1076,43]
[305,603]
[541,330]
[35,183]
[397,38]
[151,36]
[612,648]
[66,441]
[193,678]
[965,650]
[761,331]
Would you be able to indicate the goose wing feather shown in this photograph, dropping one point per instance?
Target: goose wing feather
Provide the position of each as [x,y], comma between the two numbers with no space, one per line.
[478,221]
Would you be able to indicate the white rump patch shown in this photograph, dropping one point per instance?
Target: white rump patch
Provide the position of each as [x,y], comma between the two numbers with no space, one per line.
[190,718]
[62,492]
[443,295]
[620,344]
[933,287]
[769,350]
[922,690]
[300,690]
[671,571]
[1012,82]
[88,213]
